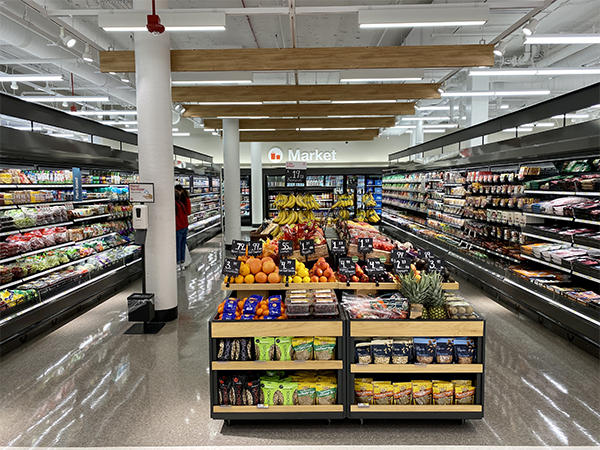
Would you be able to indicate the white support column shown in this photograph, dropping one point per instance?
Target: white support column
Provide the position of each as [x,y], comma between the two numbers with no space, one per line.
[419,133]
[479,111]
[155,147]
[231,166]
[256,189]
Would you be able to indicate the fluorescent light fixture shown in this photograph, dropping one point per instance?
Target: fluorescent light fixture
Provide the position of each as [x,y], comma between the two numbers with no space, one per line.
[174,129]
[172,21]
[5,77]
[409,131]
[243,117]
[434,108]
[341,102]
[228,103]
[441,125]
[564,39]
[418,119]
[433,131]
[67,39]
[545,124]
[73,98]
[529,29]
[112,73]
[117,122]
[399,127]
[500,48]
[495,93]
[201,82]
[125,78]
[504,106]
[381,75]
[258,129]
[107,112]
[87,54]
[27,128]
[424,17]
[531,72]
[513,130]
[571,116]
[181,134]
[61,135]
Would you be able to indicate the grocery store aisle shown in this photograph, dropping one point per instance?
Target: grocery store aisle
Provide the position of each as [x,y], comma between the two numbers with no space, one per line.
[86,384]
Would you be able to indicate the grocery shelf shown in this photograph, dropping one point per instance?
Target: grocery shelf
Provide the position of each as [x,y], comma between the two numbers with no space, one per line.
[83,219]
[404,207]
[94,200]
[417,408]
[574,193]
[39,227]
[273,328]
[8,207]
[36,186]
[383,286]
[546,263]
[587,277]
[549,216]
[493,252]
[416,368]
[278,286]
[35,252]
[589,222]
[558,241]
[265,409]
[416,328]
[277,365]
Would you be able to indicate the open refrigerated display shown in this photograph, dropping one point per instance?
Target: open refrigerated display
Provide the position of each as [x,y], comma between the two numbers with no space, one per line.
[205,200]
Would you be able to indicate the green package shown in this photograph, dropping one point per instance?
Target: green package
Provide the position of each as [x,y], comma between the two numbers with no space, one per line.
[263,348]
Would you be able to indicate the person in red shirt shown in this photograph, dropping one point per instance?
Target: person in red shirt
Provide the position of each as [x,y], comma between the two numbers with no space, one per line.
[183,208]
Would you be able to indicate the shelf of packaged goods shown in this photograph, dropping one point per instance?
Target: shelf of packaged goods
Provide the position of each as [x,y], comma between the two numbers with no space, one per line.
[416,191]
[197,194]
[493,252]
[274,328]
[549,216]
[574,193]
[83,219]
[454,196]
[417,408]
[8,207]
[265,409]
[203,222]
[203,230]
[558,241]
[416,368]
[400,197]
[453,184]
[413,328]
[589,222]
[406,181]
[36,186]
[458,216]
[39,227]
[35,252]
[277,365]
[93,185]
[587,277]
[546,263]
[204,211]
[453,225]
[405,207]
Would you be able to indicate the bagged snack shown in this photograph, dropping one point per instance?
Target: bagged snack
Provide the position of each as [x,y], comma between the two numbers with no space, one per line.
[424,350]
[402,350]
[274,306]
[274,374]
[289,389]
[383,393]
[444,350]
[264,348]
[465,382]
[252,393]
[236,395]
[381,350]
[244,349]
[224,350]
[326,393]
[443,393]
[464,395]
[403,393]
[363,389]
[465,350]
[324,348]
[251,303]
[421,392]
[363,353]
[247,317]
[307,393]
[283,348]
[268,391]
[224,390]
[302,348]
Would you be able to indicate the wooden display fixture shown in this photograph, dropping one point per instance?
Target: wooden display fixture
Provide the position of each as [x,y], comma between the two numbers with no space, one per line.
[273,328]
[417,408]
[279,409]
[277,365]
[416,368]
[416,328]
[257,288]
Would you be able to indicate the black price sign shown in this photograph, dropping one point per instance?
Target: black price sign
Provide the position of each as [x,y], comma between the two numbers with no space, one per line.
[365,245]
[424,254]
[295,176]
[396,254]
[307,247]
[346,266]
[374,266]
[287,267]
[255,248]
[437,265]
[231,267]
[238,248]
[338,247]
[402,265]
[286,248]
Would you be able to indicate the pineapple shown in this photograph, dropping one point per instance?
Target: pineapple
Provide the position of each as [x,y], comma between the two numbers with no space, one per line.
[435,297]
[416,293]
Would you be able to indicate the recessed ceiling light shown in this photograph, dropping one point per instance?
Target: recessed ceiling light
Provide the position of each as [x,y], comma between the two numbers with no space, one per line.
[202,82]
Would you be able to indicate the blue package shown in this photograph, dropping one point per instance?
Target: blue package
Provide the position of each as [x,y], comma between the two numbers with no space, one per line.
[228,316]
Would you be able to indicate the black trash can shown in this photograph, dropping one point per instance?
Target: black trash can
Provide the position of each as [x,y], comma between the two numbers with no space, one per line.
[140,307]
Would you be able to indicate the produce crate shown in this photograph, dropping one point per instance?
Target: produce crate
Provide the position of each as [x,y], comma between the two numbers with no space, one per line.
[353,251]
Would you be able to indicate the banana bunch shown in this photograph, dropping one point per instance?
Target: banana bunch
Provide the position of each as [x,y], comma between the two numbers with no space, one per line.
[280,200]
[368,200]
[344,214]
[289,217]
[372,216]
[310,202]
[361,215]
[344,201]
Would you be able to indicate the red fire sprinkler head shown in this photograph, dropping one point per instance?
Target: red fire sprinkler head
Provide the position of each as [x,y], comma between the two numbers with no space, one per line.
[154,26]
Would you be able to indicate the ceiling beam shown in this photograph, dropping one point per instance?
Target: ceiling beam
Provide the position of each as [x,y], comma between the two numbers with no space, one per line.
[313,136]
[304,110]
[322,58]
[334,92]
[292,124]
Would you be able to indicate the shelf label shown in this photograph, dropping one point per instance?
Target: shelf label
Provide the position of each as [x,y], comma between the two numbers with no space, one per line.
[231,267]
[286,248]
[397,254]
[346,266]
[295,172]
[363,405]
[307,247]
[238,248]
[424,254]
[255,248]
[402,266]
[374,266]
[365,245]
[338,247]
[437,264]
[262,406]
[287,267]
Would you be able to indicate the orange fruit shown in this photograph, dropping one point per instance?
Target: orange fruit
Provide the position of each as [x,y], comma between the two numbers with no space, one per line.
[332,279]
[244,269]
[268,266]
[266,258]
[239,279]
[261,277]
[255,266]
[259,311]
[323,280]
[314,279]
[274,277]
[220,309]
[249,279]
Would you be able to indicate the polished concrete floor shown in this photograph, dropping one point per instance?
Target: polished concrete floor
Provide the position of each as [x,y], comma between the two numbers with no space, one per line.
[89,385]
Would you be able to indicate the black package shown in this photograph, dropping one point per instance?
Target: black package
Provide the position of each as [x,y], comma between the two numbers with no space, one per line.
[363,353]
[237,390]
[381,350]
[402,350]
[252,393]
[424,350]
[224,388]
[224,350]
[465,350]
[444,350]
[246,349]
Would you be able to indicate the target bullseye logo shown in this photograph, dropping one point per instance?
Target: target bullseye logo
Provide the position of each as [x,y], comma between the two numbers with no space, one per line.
[275,155]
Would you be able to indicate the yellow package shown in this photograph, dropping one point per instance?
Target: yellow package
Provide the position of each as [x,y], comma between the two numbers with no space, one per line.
[324,348]
[465,382]
[403,393]
[443,393]
[421,392]
[464,395]
[383,393]
[307,393]
[326,393]
[363,391]
[303,348]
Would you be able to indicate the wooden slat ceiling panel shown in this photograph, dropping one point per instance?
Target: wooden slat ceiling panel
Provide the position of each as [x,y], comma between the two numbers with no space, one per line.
[335,92]
[327,58]
[313,136]
[294,110]
[292,124]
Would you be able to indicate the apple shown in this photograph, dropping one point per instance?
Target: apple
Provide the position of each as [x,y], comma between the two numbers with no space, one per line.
[364,278]
[354,279]
[331,279]
[323,265]
[323,280]
[314,279]
[343,278]
[318,272]
[328,272]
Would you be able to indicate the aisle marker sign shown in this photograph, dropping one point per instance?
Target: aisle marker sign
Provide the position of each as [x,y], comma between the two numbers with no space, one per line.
[255,248]
[346,266]
[374,266]
[238,248]
[295,172]
[77,187]
[231,267]
[307,247]
[365,245]
[338,247]
[287,267]
[286,248]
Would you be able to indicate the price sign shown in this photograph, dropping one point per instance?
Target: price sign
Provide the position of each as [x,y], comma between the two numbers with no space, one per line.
[374,266]
[346,266]
[424,254]
[255,248]
[286,248]
[437,265]
[338,247]
[231,268]
[295,172]
[365,245]
[402,266]
[396,254]
[307,247]
[287,267]
[238,248]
